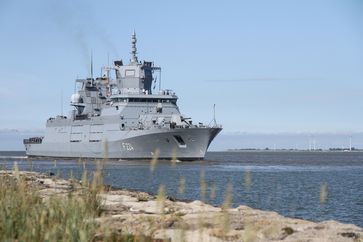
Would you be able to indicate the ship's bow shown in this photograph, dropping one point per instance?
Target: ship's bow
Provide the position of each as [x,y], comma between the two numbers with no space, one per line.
[214,131]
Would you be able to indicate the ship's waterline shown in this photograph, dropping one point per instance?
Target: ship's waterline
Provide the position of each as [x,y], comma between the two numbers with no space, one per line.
[123,112]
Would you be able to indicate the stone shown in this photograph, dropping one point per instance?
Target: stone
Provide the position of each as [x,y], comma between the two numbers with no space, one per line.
[141,214]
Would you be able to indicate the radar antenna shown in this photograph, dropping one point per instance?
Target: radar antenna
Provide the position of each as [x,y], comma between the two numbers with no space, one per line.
[134,49]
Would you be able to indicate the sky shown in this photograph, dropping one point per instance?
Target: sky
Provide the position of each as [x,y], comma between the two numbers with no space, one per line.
[269,66]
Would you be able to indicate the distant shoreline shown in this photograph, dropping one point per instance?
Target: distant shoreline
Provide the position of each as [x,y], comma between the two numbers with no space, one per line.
[291,150]
[21,153]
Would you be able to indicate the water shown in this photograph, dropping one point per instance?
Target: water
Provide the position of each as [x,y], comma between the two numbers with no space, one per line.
[286,182]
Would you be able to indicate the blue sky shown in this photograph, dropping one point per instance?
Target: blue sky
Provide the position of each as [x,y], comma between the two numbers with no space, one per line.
[269,66]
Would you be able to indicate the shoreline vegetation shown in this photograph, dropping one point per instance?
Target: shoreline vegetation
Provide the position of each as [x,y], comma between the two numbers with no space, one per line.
[45,207]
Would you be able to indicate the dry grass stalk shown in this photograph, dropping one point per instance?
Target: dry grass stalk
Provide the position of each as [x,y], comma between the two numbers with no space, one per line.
[181,188]
[173,158]
[213,190]
[105,150]
[203,186]
[323,193]
[225,208]
[247,179]
[250,232]
[154,160]
[161,197]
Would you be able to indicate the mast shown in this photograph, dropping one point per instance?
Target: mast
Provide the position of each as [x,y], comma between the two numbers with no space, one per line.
[92,82]
[214,116]
[133,48]
[159,80]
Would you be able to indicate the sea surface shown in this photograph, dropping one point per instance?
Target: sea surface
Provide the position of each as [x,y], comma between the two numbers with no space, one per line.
[310,185]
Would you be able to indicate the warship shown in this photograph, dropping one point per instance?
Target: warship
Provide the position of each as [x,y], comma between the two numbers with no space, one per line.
[118,115]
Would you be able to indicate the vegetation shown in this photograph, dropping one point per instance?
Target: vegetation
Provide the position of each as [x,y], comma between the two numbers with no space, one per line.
[28,215]
[25,216]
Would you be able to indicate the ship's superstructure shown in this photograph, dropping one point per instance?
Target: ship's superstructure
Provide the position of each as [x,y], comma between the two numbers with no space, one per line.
[123,118]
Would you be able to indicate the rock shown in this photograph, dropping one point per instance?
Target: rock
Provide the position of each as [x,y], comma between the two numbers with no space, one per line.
[140,214]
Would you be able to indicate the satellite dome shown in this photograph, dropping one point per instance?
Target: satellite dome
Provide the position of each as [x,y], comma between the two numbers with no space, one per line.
[75,98]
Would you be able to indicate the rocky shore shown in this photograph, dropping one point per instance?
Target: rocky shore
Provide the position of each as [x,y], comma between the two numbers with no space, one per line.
[158,218]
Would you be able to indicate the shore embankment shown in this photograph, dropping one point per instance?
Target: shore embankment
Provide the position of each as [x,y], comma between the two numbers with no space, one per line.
[143,217]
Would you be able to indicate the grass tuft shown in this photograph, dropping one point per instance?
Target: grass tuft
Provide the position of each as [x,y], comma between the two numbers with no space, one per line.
[25,216]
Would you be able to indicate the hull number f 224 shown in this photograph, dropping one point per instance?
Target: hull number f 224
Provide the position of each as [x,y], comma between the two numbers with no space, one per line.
[127,146]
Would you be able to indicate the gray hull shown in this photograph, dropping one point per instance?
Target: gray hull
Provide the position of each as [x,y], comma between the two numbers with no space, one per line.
[135,144]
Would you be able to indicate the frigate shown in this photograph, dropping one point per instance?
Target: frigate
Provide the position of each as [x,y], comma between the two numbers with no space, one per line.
[121,116]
